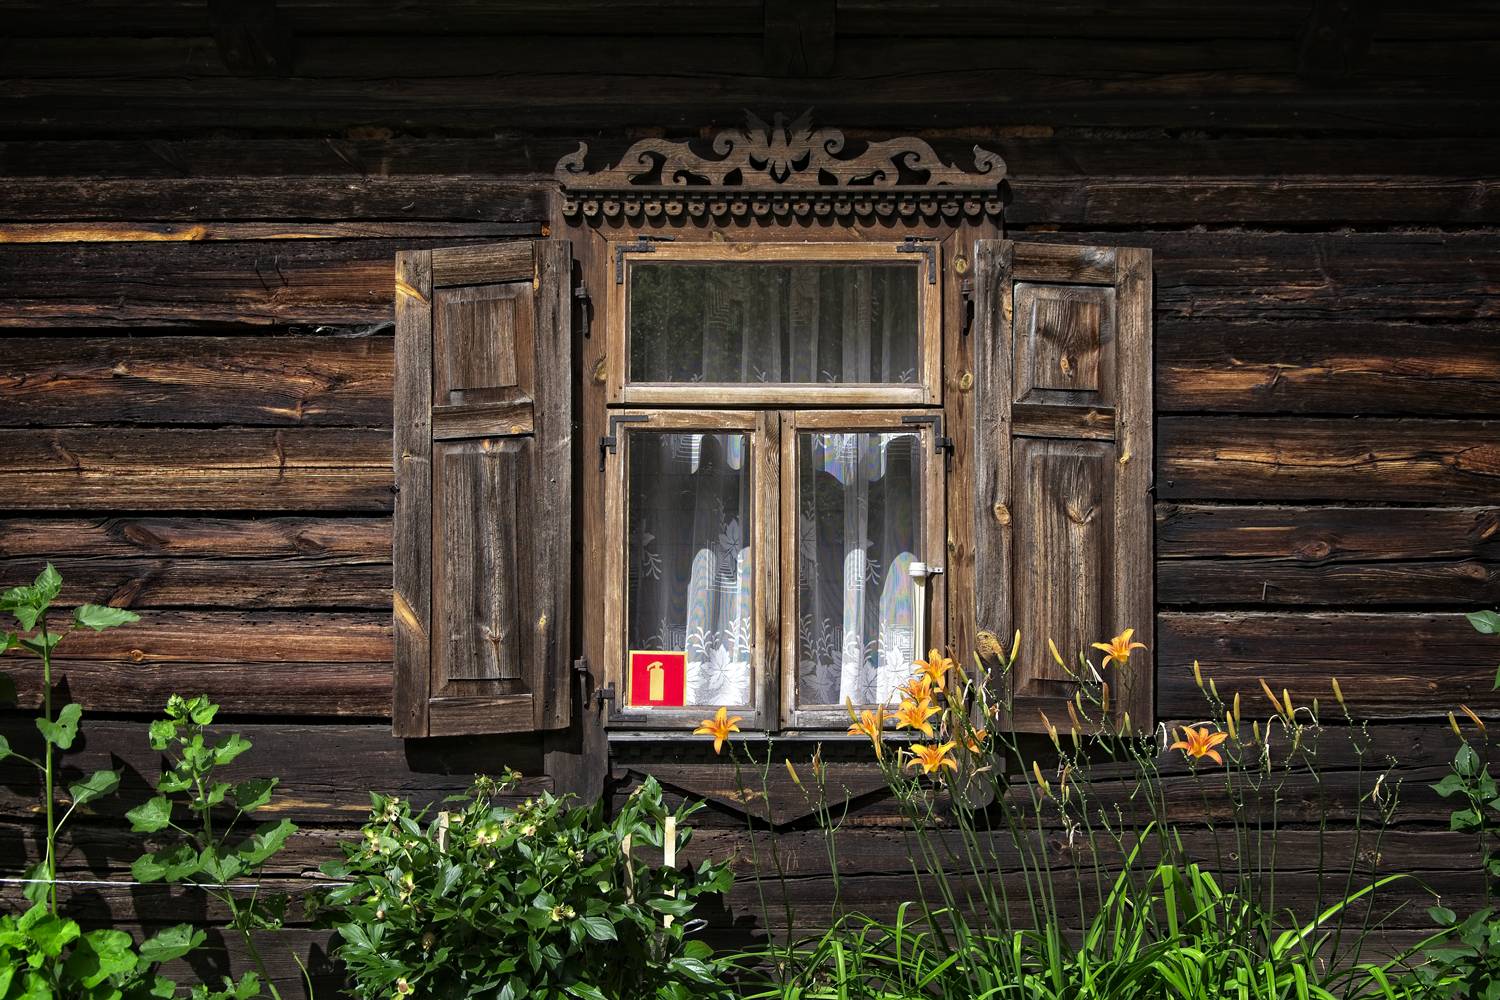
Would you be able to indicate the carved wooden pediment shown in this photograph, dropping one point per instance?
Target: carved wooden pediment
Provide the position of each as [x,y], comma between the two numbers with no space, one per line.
[781,169]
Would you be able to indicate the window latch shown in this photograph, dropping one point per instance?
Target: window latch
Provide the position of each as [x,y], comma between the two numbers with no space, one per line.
[925,245]
[610,443]
[642,244]
[966,296]
[585,308]
[940,443]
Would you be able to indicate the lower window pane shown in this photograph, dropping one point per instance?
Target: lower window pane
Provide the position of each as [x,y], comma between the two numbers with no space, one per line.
[690,568]
[860,510]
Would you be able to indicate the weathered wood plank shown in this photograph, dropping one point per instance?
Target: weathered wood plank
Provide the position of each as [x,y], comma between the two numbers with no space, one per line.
[257,283]
[94,231]
[341,381]
[177,469]
[1330,367]
[327,770]
[194,538]
[1264,555]
[1389,665]
[1407,461]
[215,200]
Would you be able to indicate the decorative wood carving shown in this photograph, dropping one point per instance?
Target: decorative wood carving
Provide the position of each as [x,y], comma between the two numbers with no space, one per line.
[781,169]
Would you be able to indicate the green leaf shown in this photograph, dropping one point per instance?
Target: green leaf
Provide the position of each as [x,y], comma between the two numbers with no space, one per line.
[171,865]
[265,842]
[100,955]
[1485,622]
[230,749]
[52,934]
[64,730]
[47,586]
[172,943]
[4,753]
[253,794]
[42,644]
[599,928]
[150,816]
[98,617]
[1442,916]
[95,785]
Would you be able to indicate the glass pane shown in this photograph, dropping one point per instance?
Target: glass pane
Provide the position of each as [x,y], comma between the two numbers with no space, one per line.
[789,323]
[690,569]
[860,510]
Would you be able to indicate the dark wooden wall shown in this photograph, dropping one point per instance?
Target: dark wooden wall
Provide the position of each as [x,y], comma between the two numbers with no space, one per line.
[199,212]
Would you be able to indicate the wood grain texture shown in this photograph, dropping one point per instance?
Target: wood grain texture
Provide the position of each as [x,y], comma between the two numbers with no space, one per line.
[179,469]
[1391,665]
[411,535]
[337,380]
[1411,461]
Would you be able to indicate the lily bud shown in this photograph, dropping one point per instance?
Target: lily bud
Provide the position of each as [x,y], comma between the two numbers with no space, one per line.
[796,780]
[1476,719]
[1041,782]
[1338,693]
[1236,706]
[1453,725]
[1198,675]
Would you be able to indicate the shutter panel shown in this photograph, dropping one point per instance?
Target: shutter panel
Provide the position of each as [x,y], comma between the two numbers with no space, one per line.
[1063,464]
[483,457]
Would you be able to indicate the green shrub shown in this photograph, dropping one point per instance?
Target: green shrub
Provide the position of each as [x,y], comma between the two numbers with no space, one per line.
[497,903]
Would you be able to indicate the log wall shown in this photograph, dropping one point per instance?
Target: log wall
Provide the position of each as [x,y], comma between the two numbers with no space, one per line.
[197,227]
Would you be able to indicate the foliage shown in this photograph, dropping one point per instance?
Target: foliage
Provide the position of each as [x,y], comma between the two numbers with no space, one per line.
[43,955]
[1076,867]
[540,900]
[29,605]
[216,857]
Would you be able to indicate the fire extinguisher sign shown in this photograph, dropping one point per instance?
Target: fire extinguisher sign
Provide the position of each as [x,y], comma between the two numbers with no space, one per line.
[658,678]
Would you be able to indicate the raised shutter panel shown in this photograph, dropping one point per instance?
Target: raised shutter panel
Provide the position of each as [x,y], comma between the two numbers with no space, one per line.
[1063,464]
[483,457]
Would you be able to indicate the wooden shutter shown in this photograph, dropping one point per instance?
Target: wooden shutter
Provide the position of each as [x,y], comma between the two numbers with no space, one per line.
[483,456]
[1063,463]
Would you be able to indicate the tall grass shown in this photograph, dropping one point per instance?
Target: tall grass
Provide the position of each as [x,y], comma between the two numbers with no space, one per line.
[1101,861]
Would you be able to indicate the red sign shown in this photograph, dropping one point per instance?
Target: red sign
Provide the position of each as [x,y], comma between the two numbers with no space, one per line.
[658,678]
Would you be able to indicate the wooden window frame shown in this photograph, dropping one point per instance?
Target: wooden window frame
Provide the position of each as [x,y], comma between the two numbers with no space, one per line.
[925,255]
[761,431]
[793,716]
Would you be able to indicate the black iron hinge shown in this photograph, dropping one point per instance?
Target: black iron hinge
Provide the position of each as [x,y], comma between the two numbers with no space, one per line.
[940,445]
[606,693]
[926,245]
[610,443]
[585,308]
[642,244]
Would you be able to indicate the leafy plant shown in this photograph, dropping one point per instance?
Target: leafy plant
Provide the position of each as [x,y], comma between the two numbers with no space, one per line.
[29,605]
[538,900]
[216,856]
[43,955]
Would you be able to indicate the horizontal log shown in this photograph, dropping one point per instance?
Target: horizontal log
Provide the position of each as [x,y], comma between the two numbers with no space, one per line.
[1404,461]
[93,231]
[1329,367]
[1250,555]
[1249,98]
[177,469]
[1390,665]
[1201,279]
[203,562]
[507,206]
[242,637]
[258,283]
[269,381]
[327,770]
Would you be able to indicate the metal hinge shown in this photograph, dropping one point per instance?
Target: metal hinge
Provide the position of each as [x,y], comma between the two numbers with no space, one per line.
[585,308]
[940,444]
[606,693]
[966,297]
[926,245]
[610,443]
[642,244]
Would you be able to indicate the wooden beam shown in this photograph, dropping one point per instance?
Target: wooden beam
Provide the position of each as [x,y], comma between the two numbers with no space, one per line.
[799,37]
[252,36]
[1335,39]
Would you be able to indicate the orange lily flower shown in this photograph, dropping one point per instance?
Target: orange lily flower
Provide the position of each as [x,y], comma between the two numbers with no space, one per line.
[719,727]
[914,715]
[869,723]
[1200,743]
[919,688]
[934,668]
[975,742]
[932,757]
[1119,648]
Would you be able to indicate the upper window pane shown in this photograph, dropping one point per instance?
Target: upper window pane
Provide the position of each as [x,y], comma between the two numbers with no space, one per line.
[804,323]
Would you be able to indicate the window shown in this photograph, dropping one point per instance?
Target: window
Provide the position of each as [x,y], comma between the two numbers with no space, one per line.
[773,554]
